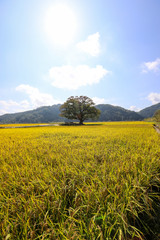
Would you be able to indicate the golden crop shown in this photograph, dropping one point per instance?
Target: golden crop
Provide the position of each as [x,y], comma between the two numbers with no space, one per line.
[97,181]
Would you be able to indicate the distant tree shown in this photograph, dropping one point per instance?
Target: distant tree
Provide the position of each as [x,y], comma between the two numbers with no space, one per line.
[157,115]
[79,108]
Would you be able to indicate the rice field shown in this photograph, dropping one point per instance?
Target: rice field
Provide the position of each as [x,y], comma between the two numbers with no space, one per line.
[97,181]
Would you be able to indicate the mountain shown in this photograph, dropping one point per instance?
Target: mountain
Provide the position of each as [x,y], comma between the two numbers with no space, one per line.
[40,115]
[51,114]
[115,113]
[149,111]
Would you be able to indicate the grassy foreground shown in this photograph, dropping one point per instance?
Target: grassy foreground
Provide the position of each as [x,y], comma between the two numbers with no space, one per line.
[89,182]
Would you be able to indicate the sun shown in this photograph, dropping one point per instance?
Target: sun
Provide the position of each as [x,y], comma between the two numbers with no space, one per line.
[60,24]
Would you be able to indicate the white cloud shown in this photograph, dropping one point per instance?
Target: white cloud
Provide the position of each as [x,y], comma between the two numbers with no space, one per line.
[91,45]
[154,97]
[37,98]
[97,100]
[151,66]
[134,108]
[2,112]
[13,106]
[70,77]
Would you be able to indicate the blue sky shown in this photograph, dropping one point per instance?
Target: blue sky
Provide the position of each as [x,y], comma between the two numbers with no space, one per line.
[108,50]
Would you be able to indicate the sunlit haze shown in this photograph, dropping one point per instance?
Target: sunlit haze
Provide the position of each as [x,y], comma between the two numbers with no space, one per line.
[60,24]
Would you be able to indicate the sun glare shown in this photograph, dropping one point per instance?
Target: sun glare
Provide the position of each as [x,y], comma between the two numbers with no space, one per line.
[60,24]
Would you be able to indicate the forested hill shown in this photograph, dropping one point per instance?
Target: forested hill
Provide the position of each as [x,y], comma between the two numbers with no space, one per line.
[115,113]
[39,115]
[149,111]
[51,114]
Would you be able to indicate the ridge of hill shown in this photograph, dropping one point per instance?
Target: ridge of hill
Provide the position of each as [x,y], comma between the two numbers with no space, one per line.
[116,113]
[48,114]
[149,111]
[44,114]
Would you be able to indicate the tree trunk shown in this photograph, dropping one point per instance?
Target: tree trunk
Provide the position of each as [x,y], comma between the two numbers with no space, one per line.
[80,122]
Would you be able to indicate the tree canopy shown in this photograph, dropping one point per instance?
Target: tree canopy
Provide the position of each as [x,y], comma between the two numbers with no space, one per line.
[79,108]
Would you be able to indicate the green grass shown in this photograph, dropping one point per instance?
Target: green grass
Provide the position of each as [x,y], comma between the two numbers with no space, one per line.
[87,182]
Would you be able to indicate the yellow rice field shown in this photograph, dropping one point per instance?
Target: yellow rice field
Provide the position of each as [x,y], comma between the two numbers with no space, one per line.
[97,181]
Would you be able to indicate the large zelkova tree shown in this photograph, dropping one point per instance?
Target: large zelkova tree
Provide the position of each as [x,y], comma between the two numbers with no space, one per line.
[79,108]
